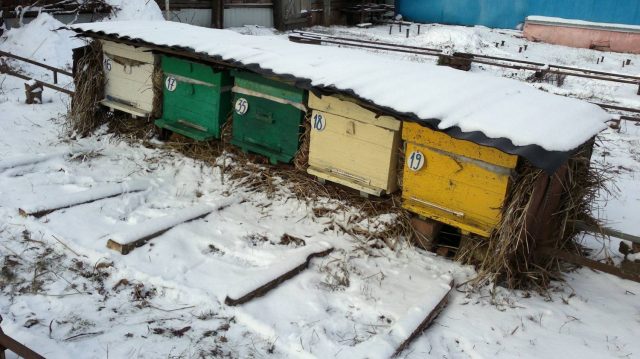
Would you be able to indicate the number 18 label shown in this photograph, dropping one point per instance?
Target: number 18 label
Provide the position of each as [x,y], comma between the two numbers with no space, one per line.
[415,161]
[319,122]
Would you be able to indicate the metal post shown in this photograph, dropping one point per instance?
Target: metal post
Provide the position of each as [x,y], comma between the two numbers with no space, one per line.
[390,28]
[407,33]
[399,27]
[418,29]
[55,77]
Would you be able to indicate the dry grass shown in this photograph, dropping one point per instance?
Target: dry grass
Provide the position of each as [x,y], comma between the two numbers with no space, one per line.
[157,81]
[301,160]
[86,114]
[511,257]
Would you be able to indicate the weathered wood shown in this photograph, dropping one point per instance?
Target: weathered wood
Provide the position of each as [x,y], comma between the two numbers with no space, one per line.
[586,262]
[24,77]
[608,232]
[126,248]
[264,289]
[426,323]
[33,62]
[8,343]
[45,211]
[33,92]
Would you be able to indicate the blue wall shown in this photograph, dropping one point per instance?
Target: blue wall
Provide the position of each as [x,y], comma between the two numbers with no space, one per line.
[508,14]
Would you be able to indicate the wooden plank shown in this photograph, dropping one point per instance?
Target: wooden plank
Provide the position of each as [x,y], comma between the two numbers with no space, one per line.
[416,133]
[141,54]
[426,323]
[476,192]
[586,262]
[84,197]
[126,248]
[608,232]
[349,109]
[372,151]
[8,343]
[264,289]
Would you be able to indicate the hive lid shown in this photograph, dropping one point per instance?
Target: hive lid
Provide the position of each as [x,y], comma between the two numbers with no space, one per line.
[497,112]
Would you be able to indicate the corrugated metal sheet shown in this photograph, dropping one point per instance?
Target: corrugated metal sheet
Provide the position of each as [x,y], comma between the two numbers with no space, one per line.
[198,17]
[235,17]
[510,13]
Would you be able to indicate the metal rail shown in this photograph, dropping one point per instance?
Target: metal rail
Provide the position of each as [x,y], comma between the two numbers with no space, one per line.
[477,58]
[306,37]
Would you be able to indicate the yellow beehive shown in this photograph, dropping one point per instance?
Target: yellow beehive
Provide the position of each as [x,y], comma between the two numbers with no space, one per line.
[353,146]
[452,181]
[129,78]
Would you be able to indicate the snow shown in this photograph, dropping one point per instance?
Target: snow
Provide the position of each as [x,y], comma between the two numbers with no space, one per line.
[92,302]
[473,102]
[74,198]
[22,160]
[135,10]
[583,23]
[156,225]
[41,41]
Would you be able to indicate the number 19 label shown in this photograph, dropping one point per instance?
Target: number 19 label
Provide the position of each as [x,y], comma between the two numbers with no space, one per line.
[415,162]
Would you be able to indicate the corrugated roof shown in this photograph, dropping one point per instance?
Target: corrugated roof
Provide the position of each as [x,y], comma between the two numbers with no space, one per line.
[495,112]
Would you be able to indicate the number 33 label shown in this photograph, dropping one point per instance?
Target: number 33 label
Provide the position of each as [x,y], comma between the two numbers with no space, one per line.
[242,106]
[415,162]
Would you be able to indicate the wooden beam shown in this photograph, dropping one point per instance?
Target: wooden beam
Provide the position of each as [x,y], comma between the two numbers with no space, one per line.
[426,323]
[8,343]
[327,12]
[586,262]
[264,289]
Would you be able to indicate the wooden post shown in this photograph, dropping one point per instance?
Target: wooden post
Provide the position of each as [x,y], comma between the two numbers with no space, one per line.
[327,12]
[33,91]
[278,15]
[217,14]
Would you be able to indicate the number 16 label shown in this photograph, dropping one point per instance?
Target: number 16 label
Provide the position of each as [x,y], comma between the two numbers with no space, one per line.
[415,162]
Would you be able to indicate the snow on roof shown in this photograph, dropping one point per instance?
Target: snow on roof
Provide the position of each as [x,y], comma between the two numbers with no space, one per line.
[499,108]
[581,23]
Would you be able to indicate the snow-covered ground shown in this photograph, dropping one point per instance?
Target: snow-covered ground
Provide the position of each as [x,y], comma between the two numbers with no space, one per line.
[66,295]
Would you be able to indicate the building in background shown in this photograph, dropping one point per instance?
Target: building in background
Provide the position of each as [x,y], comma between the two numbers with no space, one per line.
[281,14]
[509,14]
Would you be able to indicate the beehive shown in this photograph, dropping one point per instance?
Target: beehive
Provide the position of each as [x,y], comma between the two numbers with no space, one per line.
[129,78]
[452,181]
[267,116]
[196,98]
[353,146]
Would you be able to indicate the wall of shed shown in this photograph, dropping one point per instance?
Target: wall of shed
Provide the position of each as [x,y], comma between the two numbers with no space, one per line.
[509,14]
[617,41]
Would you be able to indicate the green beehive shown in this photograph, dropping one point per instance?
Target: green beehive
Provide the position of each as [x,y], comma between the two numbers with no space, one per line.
[267,116]
[196,98]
